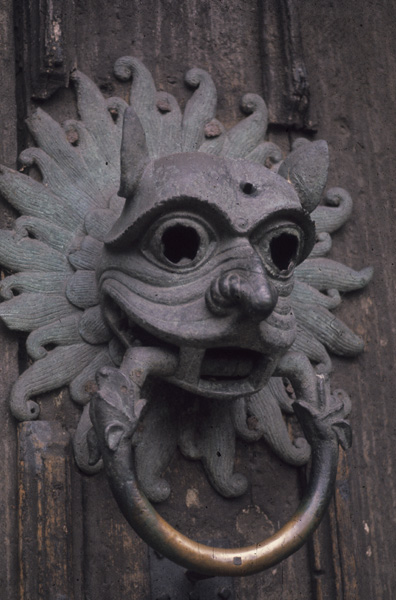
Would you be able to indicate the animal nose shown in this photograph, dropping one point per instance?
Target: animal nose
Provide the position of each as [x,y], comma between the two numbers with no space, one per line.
[248,290]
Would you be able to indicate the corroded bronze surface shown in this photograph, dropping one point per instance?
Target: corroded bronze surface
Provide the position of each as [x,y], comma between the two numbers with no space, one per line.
[115,419]
[204,272]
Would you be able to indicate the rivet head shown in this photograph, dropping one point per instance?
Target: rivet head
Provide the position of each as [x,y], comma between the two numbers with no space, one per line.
[224,593]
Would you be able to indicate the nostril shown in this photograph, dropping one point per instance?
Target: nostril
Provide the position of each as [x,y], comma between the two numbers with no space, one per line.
[251,293]
[230,286]
[217,298]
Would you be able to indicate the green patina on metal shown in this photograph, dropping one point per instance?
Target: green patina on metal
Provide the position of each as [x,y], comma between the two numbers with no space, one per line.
[217,257]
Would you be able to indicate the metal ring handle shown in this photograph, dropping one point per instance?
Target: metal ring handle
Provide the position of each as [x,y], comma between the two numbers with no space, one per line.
[114,423]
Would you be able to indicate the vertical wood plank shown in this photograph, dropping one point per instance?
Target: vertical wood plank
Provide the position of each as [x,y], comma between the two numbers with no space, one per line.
[8,344]
[115,558]
[351,56]
[45,518]
[286,81]
[344,525]
[351,49]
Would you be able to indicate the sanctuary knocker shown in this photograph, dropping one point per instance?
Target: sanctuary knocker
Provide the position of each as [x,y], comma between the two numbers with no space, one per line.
[205,270]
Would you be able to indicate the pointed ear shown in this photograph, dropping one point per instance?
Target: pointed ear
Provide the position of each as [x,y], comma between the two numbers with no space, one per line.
[113,434]
[134,153]
[306,169]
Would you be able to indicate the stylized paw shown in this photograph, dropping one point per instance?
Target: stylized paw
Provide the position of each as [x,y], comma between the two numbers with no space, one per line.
[115,408]
[328,418]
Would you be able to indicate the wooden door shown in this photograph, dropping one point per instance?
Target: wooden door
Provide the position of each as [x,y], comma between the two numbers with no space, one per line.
[73,542]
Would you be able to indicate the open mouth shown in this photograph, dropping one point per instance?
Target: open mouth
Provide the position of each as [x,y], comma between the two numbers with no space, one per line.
[127,331]
[222,364]
[220,372]
[230,372]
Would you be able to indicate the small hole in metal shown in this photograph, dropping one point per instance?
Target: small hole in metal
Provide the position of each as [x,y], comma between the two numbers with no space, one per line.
[114,114]
[248,188]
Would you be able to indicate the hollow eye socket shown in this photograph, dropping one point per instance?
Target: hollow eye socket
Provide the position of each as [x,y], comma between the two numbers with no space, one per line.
[178,242]
[280,248]
[284,250]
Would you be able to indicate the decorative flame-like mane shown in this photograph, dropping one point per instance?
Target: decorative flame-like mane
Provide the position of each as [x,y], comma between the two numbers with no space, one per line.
[55,250]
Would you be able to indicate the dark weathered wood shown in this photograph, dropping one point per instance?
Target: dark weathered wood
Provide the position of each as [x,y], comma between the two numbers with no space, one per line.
[8,344]
[8,469]
[172,37]
[115,559]
[342,530]
[351,51]
[47,40]
[44,511]
[285,77]
[350,55]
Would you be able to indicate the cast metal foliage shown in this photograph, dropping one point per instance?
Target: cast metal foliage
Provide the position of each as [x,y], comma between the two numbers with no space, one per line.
[213,257]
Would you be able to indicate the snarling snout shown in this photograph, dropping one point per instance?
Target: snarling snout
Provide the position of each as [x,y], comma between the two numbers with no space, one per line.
[246,289]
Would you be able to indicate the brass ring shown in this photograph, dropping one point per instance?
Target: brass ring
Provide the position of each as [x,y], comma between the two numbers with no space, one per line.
[115,418]
[161,536]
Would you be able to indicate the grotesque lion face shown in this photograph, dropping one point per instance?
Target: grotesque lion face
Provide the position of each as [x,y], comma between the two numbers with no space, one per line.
[201,261]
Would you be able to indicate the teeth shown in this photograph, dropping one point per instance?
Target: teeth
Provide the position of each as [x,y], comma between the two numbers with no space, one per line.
[225,363]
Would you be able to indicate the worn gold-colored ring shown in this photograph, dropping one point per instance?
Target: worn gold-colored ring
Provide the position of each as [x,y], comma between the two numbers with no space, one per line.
[161,536]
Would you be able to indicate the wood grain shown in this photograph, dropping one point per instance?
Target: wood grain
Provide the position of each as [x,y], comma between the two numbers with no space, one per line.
[350,55]
[44,511]
[8,344]
[351,50]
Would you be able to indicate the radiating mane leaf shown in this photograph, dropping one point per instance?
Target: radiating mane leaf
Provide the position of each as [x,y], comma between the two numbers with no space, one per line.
[308,344]
[323,245]
[25,254]
[151,459]
[93,110]
[265,408]
[169,132]
[63,332]
[93,327]
[105,172]
[325,274]
[30,197]
[244,137]
[215,136]
[200,109]
[58,181]
[217,450]
[302,292]
[45,231]
[30,311]
[53,283]
[335,212]
[83,386]
[82,289]
[264,152]
[328,329]
[51,138]
[58,368]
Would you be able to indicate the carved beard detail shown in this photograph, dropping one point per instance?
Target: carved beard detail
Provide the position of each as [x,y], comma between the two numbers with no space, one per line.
[202,282]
